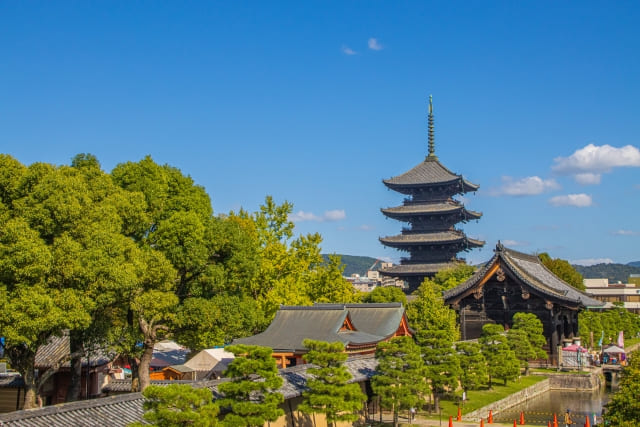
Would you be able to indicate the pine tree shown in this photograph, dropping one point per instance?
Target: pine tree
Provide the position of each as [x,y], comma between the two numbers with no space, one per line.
[473,365]
[329,391]
[501,360]
[178,405]
[400,382]
[251,397]
[442,365]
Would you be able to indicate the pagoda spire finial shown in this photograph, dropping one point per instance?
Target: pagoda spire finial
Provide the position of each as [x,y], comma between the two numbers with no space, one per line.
[432,145]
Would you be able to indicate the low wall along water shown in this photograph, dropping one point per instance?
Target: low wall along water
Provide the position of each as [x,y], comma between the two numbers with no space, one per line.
[583,393]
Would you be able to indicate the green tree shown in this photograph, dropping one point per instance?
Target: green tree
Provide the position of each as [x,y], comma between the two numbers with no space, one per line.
[563,270]
[501,360]
[386,294]
[178,405]
[251,396]
[449,278]
[473,365]
[428,312]
[442,364]
[329,391]
[623,410]
[526,338]
[400,382]
[328,285]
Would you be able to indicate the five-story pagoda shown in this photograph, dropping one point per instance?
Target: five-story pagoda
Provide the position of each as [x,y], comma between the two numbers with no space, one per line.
[431,212]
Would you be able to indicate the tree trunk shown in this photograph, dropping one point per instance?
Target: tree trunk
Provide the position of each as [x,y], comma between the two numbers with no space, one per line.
[135,373]
[77,350]
[23,360]
[145,363]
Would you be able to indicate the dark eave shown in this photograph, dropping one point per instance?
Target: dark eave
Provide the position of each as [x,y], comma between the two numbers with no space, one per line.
[442,237]
[403,270]
[428,173]
[418,209]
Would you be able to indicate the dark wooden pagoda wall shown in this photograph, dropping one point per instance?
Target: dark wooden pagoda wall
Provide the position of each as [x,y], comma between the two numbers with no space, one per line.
[501,300]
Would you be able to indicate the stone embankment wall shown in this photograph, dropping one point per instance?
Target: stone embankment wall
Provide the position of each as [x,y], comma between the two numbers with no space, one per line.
[590,381]
[509,401]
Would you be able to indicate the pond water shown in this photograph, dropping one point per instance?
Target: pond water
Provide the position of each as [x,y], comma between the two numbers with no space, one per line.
[540,409]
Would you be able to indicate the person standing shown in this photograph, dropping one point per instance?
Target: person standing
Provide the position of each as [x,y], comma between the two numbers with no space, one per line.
[567,418]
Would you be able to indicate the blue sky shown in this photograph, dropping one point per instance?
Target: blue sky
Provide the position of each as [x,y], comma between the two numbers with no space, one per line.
[317,102]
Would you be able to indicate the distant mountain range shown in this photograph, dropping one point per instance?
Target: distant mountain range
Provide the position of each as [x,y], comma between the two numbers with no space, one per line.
[614,272]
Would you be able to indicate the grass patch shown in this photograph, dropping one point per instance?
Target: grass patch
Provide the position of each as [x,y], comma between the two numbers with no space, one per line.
[476,399]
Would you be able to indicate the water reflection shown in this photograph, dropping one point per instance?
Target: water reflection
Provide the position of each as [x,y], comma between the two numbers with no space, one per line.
[541,408]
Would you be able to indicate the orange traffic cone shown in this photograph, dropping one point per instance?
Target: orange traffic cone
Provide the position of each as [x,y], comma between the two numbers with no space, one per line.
[450,421]
[481,422]
[587,423]
[515,424]
[521,418]
[490,420]
[548,423]
[555,420]
[459,417]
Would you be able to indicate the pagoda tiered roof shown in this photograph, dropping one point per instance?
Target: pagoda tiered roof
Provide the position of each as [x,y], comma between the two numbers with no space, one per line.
[440,237]
[417,269]
[415,209]
[428,173]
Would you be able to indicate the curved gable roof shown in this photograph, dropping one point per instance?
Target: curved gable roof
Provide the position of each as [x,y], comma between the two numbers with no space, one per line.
[532,272]
[322,322]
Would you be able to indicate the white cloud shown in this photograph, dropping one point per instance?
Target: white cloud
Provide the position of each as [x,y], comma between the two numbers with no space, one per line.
[592,261]
[626,233]
[365,227]
[586,164]
[578,200]
[528,186]
[512,243]
[587,178]
[374,44]
[348,51]
[333,215]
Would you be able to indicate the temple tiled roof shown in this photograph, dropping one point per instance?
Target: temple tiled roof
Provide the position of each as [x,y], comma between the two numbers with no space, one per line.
[429,172]
[417,269]
[322,322]
[123,409]
[409,239]
[413,209]
[58,348]
[531,271]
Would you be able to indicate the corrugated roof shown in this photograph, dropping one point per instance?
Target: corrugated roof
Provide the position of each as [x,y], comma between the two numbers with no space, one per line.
[121,410]
[322,322]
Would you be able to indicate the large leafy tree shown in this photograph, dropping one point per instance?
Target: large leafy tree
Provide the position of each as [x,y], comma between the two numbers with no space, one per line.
[64,223]
[429,313]
[400,382]
[386,294]
[623,410]
[178,405]
[251,396]
[563,270]
[473,365]
[501,360]
[329,391]
[451,277]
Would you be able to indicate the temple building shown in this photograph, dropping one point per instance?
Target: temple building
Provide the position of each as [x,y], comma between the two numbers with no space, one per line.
[431,238]
[360,327]
[513,282]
